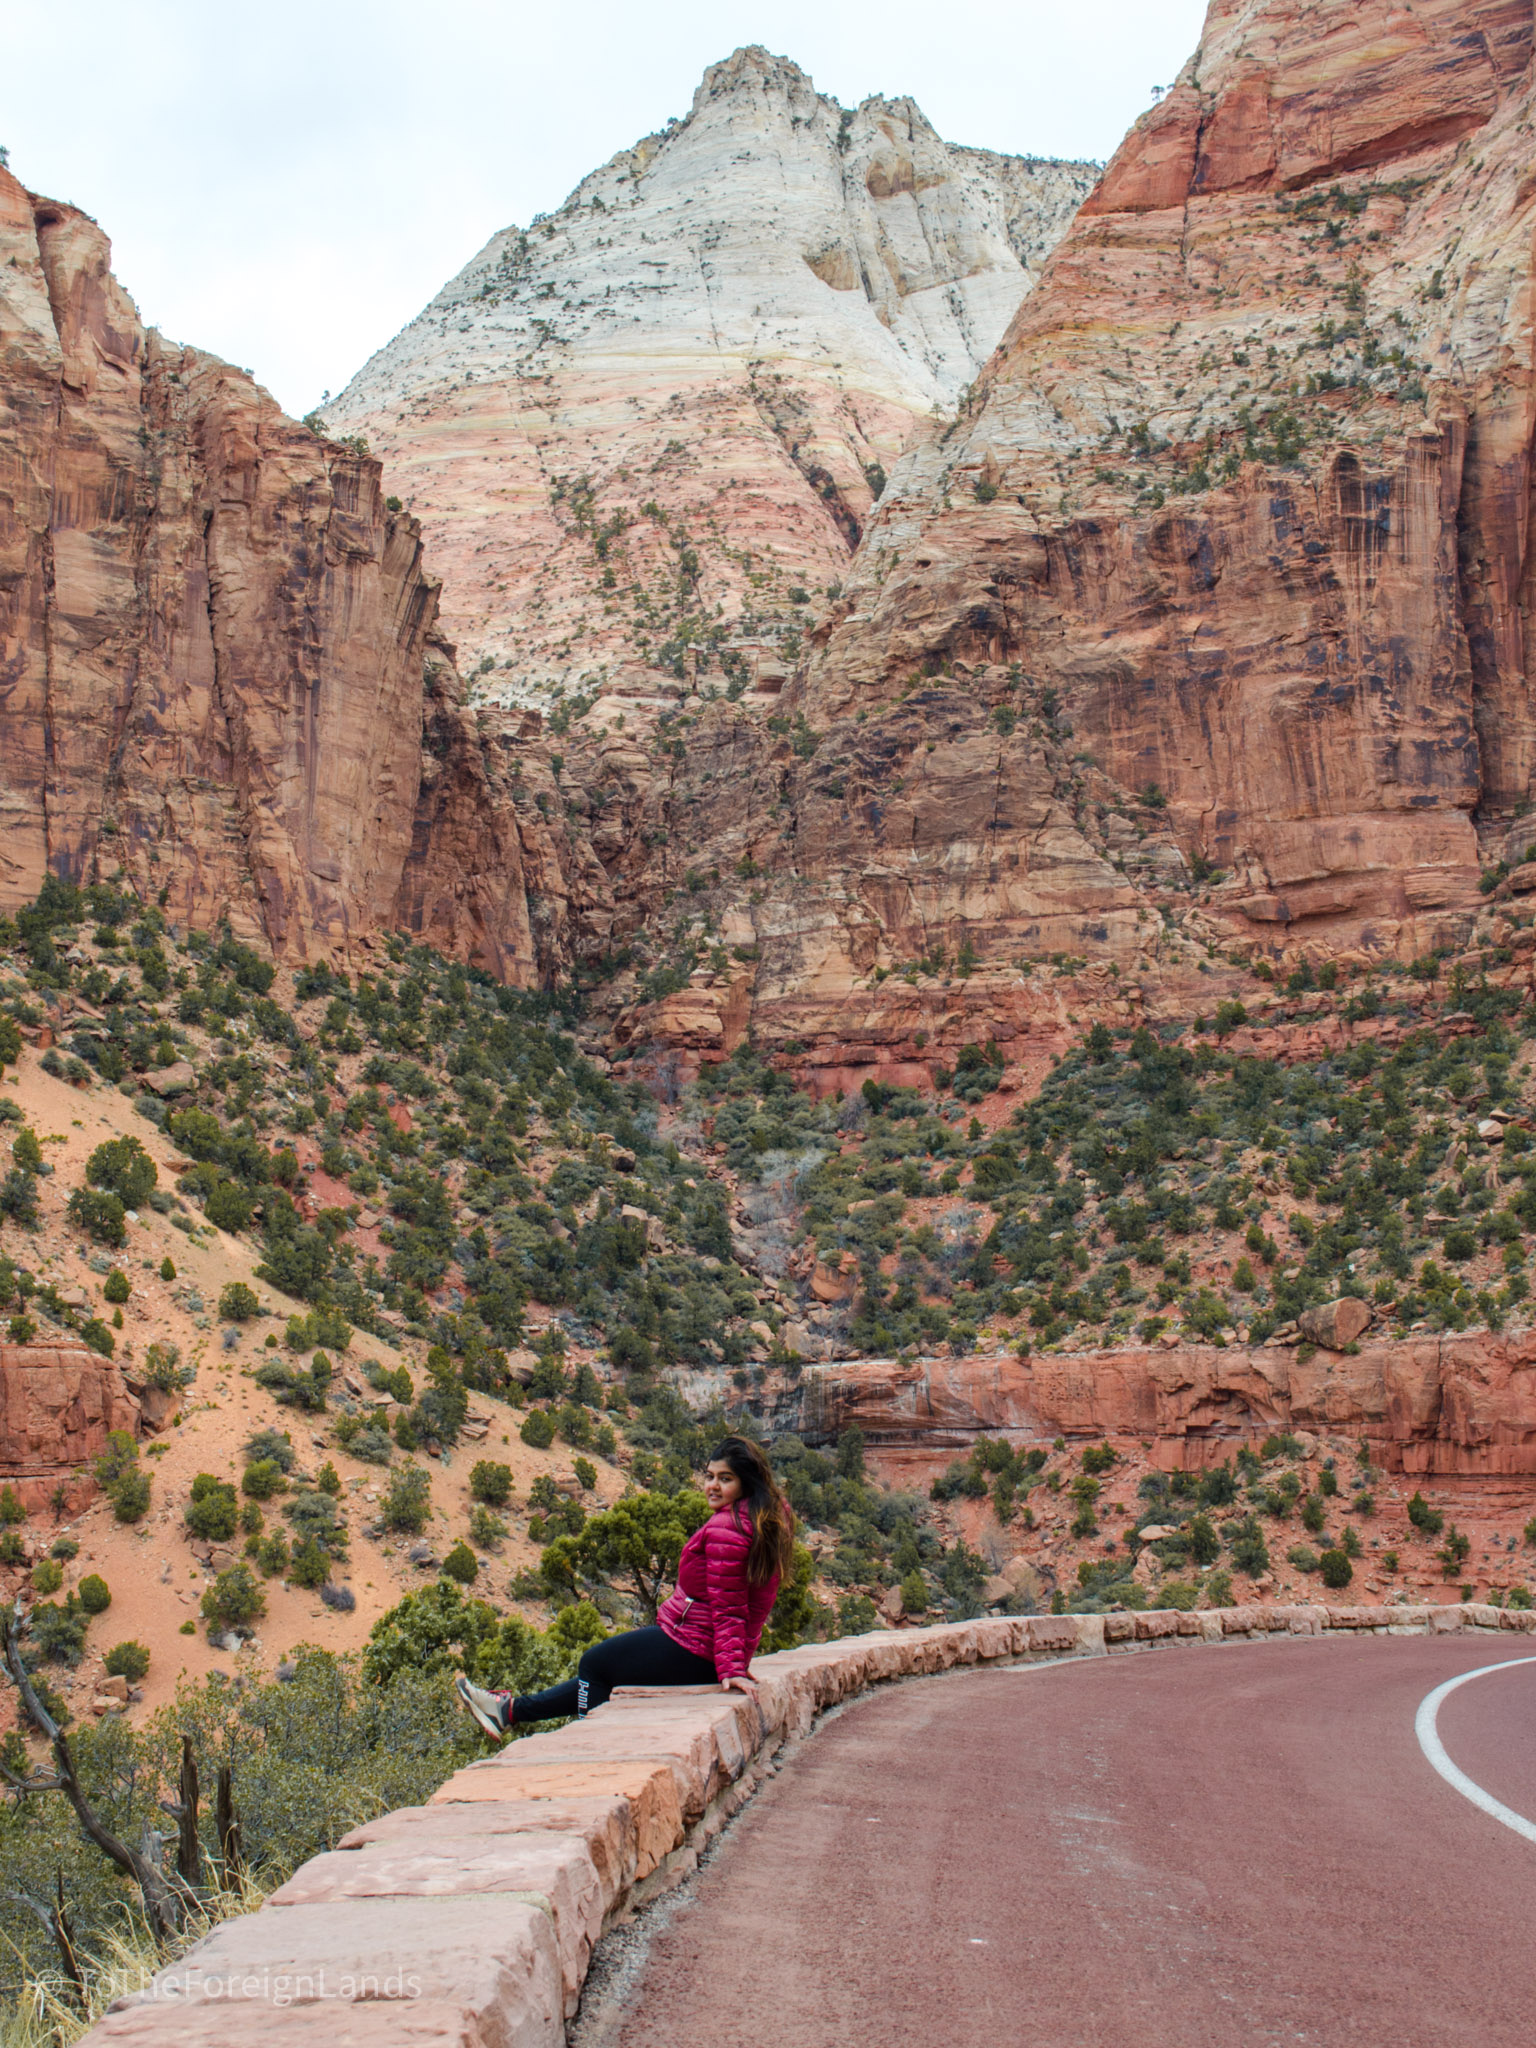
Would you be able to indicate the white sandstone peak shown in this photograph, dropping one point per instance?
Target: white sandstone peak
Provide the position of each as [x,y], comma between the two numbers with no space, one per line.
[739,322]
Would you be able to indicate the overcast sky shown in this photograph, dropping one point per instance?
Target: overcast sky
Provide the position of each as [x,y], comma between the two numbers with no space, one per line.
[288,183]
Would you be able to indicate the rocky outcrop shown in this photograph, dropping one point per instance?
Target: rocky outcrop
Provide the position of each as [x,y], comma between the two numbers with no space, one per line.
[634,430]
[1245,487]
[58,1404]
[212,632]
[1433,1405]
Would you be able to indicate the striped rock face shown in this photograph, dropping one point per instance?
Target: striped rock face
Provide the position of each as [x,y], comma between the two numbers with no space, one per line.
[681,391]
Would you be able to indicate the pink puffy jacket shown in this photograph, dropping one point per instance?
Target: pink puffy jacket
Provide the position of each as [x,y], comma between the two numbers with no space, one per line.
[716,1612]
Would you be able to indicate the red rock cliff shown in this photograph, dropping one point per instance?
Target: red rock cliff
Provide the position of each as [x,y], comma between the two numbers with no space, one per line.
[57,1406]
[1246,486]
[1433,1405]
[212,636]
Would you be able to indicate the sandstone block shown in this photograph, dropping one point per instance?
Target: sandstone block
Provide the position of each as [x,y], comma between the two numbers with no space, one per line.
[1119,1628]
[649,1789]
[607,1826]
[1154,1624]
[474,1969]
[1055,1634]
[1445,1621]
[553,1873]
[1519,1618]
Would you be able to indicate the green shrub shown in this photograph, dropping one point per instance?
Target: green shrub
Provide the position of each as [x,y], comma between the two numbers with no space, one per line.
[492,1483]
[586,1473]
[58,1630]
[47,1575]
[407,1503]
[1303,1557]
[311,1565]
[123,1168]
[272,1554]
[914,1592]
[328,1479]
[1425,1518]
[234,1600]
[167,1268]
[95,1335]
[213,1512]
[18,1199]
[1519,1596]
[462,1564]
[95,1595]
[371,1444]
[538,1428]
[273,1444]
[12,1511]
[116,1288]
[262,1478]
[99,1215]
[1336,1569]
[128,1660]
[486,1528]
[1204,1543]
[130,1494]
[316,1515]
[238,1303]
[12,1549]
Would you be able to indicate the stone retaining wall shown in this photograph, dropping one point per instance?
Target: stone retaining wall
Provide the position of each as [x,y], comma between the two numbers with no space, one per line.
[471,1921]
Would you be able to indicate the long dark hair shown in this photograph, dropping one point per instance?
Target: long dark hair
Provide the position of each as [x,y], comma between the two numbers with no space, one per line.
[773,1519]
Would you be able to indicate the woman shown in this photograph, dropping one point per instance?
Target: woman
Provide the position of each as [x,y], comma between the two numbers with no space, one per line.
[727,1580]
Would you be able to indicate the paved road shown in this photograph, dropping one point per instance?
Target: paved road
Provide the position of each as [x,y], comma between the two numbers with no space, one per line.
[1220,1847]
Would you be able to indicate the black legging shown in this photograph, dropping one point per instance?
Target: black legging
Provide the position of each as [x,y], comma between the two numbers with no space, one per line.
[641,1656]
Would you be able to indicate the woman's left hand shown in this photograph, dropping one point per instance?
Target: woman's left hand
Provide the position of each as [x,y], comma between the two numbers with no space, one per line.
[741,1684]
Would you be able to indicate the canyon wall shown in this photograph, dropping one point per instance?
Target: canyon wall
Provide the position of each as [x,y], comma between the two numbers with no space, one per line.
[1201,620]
[1204,620]
[1435,1405]
[634,429]
[213,635]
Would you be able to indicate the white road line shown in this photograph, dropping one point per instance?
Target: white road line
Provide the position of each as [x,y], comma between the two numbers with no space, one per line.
[1434,1750]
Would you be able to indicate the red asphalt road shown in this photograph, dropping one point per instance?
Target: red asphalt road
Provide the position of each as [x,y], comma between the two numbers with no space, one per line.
[1212,1847]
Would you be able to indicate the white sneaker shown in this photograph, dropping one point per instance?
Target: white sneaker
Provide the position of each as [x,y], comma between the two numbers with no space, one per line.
[493,1710]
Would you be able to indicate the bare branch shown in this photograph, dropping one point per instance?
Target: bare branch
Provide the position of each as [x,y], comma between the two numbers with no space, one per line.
[161,1903]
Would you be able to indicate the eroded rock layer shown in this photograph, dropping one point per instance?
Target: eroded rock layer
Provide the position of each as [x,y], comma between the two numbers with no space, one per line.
[1438,1405]
[634,429]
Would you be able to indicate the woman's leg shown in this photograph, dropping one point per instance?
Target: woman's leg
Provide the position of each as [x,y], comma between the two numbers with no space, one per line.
[641,1656]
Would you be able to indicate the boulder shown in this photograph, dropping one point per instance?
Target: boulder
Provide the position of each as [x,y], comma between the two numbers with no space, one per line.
[176,1079]
[1335,1324]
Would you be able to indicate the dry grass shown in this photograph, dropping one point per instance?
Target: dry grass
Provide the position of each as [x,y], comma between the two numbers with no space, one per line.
[44,2011]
